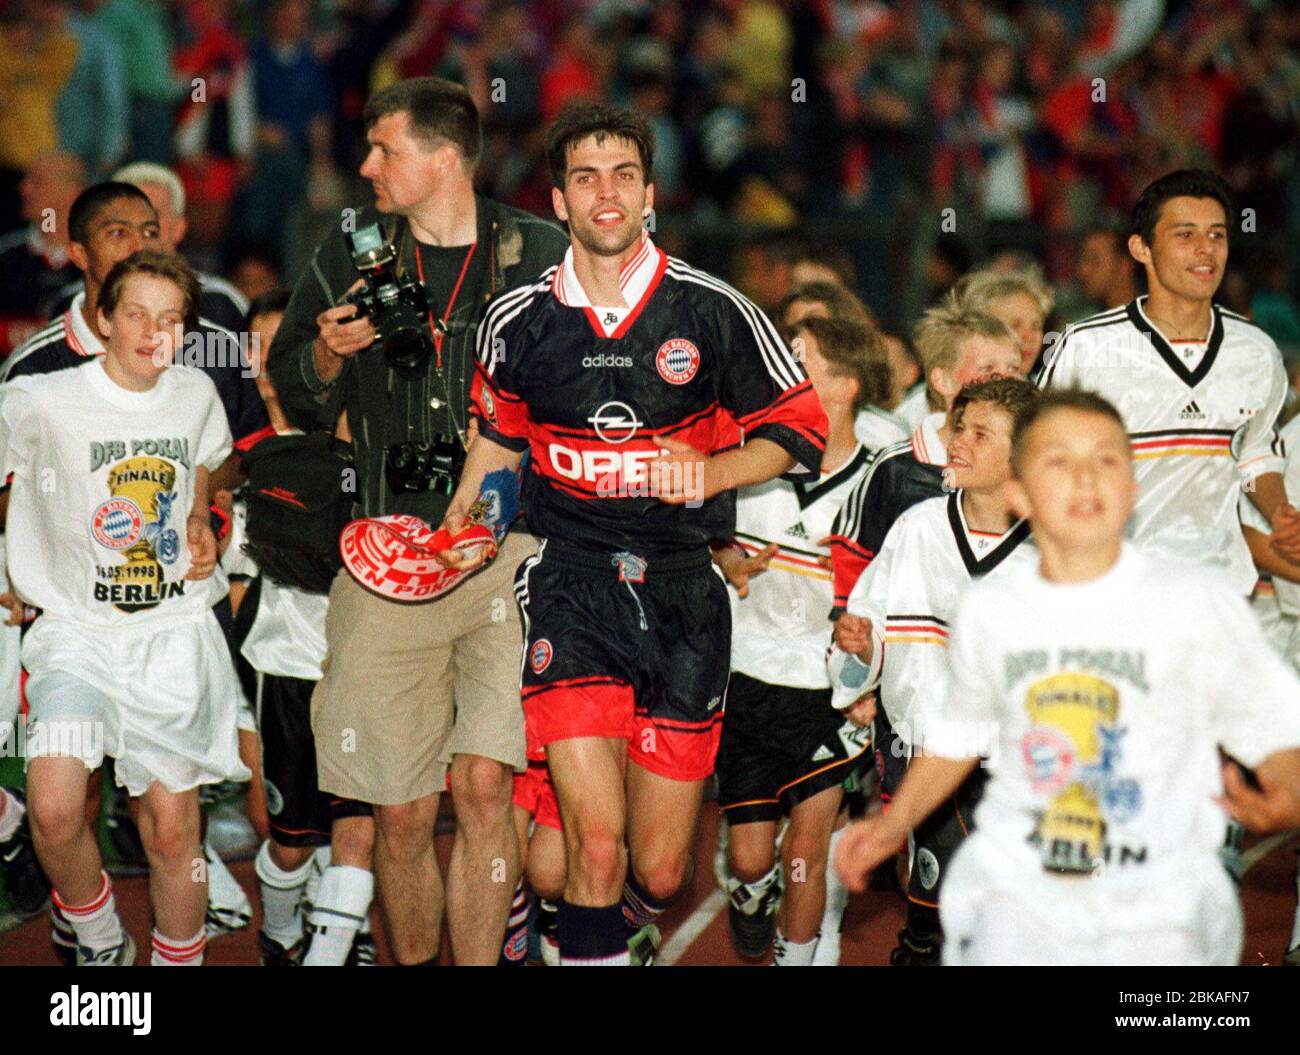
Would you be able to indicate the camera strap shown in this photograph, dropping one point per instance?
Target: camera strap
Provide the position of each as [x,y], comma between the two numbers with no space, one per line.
[439,328]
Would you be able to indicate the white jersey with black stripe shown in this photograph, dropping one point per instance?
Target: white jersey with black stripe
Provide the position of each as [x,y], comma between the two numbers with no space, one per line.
[910,592]
[780,632]
[1200,419]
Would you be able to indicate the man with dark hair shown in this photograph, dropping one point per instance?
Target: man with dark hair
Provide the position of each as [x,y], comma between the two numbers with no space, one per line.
[383,713]
[629,376]
[1108,275]
[1200,387]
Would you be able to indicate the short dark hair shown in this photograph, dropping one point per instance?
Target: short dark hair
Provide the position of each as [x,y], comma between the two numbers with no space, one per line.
[854,350]
[1049,402]
[579,121]
[1184,183]
[93,200]
[162,265]
[438,109]
[1010,393]
[273,301]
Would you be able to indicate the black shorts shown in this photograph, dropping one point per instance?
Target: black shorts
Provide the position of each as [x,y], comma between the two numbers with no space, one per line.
[781,746]
[937,837]
[618,647]
[300,813]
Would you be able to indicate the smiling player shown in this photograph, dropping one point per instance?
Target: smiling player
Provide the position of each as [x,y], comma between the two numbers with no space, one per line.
[631,377]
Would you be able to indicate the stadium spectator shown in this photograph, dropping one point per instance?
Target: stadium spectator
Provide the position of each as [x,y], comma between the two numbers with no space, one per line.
[144,36]
[94,111]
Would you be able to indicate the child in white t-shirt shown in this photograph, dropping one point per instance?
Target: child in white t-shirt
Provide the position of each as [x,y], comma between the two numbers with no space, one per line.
[1103,684]
[108,535]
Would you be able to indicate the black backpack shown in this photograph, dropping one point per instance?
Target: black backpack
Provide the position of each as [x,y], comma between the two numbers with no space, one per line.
[299,498]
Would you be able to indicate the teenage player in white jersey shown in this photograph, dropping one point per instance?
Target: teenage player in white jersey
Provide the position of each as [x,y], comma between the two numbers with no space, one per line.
[893,638]
[126,658]
[785,750]
[1198,386]
[1103,683]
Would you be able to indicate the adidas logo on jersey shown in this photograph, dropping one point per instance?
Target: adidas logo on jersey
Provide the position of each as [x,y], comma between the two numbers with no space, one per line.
[798,531]
[1191,412]
[606,360]
[822,754]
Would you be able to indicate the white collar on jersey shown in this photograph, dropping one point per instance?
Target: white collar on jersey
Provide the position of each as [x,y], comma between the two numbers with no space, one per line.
[81,338]
[633,282]
[926,444]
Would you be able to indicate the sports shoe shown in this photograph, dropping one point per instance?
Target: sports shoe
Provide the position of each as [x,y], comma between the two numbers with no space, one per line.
[28,889]
[1292,957]
[751,911]
[364,951]
[643,946]
[274,954]
[122,955]
[915,950]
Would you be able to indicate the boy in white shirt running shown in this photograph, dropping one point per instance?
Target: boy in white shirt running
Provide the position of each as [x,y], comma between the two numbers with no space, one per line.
[1105,685]
[108,534]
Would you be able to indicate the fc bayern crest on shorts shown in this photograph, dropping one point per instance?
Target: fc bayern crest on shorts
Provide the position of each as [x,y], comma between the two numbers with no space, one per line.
[539,657]
[117,523]
[489,406]
[678,360]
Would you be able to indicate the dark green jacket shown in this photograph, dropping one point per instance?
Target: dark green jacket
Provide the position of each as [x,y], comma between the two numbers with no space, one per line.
[384,408]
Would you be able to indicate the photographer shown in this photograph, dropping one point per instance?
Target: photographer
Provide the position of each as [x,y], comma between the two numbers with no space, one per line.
[383,714]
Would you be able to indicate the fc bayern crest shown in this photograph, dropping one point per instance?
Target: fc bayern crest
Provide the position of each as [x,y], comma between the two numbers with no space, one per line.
[489,407]
[539,657]
[117,523]
[678,360]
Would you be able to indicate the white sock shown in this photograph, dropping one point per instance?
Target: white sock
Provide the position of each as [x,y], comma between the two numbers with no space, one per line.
[224,892]
[11,815]
[96,923]
[320,860]
[341,906]
[791,954]
[837,900]
[168,952]
[281,897]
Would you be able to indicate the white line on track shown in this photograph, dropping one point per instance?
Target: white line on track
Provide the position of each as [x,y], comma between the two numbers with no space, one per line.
[695,925]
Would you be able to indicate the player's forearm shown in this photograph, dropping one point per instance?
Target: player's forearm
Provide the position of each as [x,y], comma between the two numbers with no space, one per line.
[1268,492]
[1266,558]
[930,781]
[1280,773]
[484,456]
[757,461]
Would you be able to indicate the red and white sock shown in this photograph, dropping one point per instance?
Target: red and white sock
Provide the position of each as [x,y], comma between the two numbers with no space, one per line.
[96,923]
[168,952]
